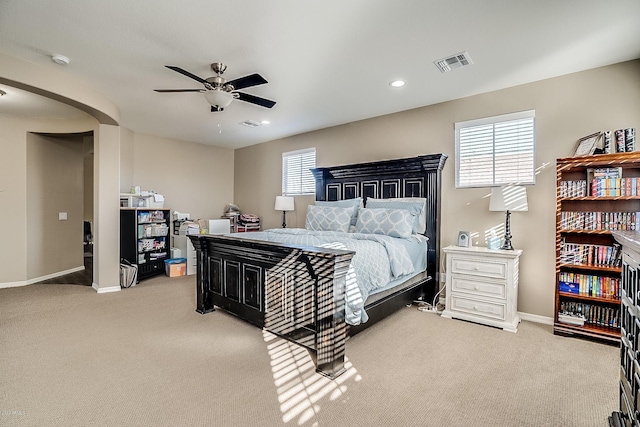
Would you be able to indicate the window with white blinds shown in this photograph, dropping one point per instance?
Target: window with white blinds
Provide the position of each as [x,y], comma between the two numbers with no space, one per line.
[297,179]
[495,151]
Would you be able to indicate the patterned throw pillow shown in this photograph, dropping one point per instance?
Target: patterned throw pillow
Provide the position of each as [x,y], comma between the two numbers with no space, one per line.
[390,222]
[353,203]
[413,204]
[327,218]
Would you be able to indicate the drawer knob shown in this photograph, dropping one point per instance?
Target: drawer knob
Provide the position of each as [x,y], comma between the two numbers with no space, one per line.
[476,268]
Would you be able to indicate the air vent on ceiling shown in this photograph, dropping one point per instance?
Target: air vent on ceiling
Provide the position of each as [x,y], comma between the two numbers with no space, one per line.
[451,63]
[250,123]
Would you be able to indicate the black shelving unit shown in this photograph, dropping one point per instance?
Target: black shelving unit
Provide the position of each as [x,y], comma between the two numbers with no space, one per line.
[144,239]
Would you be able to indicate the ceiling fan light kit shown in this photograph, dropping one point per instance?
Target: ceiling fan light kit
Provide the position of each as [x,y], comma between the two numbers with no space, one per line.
[218,98]
[219,92]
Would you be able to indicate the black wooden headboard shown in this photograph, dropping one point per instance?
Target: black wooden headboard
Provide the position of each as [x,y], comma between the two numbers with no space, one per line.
[411,177]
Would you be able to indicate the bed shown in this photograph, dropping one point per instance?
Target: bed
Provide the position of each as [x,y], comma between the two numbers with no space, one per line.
[299,289]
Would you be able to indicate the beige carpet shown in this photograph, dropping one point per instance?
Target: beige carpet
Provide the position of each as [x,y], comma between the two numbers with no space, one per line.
[144,357]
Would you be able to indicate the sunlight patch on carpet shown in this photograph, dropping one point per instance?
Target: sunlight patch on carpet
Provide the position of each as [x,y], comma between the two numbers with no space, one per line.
[301,390]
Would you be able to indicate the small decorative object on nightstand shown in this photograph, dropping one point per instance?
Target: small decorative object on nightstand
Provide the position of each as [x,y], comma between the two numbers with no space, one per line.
[482,286]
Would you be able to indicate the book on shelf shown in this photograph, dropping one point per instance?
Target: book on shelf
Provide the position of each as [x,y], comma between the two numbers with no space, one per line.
[577,320]
[590,254]
[614,187]
[580,314]
[571,288]
[596,221]
[607,172]
[589,285]
[577,188]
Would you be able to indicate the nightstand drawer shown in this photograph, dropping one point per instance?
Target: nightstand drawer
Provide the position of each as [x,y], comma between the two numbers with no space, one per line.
[478,308]
[478,287]
[479,267]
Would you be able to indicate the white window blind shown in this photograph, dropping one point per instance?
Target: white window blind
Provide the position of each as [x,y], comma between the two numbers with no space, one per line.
[496,150]
[297,179]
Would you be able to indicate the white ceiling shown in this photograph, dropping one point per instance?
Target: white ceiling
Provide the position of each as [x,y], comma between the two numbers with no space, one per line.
[328,62]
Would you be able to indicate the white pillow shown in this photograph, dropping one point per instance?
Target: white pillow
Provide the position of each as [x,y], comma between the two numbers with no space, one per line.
[328,218]
[390,222]
[355,203]
[421,223]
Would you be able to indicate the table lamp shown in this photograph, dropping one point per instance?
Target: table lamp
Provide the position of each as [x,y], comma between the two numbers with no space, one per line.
[510,198]
[284,204]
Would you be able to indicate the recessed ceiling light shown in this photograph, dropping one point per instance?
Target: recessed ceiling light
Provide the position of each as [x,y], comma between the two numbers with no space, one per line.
[397,83]
[265,122]
[60,59]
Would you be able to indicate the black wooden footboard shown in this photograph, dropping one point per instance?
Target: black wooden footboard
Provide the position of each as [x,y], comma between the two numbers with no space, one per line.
[295,292]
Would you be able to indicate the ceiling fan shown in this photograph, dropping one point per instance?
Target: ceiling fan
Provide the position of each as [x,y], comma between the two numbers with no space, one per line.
[219,92]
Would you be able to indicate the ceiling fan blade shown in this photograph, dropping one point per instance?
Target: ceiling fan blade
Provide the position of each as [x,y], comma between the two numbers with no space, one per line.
[215,109]
[179,90]
[186,73]
[247,81]
[255,100]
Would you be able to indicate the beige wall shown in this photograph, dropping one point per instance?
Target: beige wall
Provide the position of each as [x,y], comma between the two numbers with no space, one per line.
[87,143]
[15,250]
[33,189]
[193,178]
[55,175]
[63,87]
[126,160]
[106,209]
[14,170]
[567,108]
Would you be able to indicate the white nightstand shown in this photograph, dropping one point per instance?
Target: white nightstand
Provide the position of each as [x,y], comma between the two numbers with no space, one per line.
[482,286]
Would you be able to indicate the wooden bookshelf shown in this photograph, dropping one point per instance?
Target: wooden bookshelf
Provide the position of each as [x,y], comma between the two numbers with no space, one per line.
[588,331]
[610,300]
[613,209]
[588,267]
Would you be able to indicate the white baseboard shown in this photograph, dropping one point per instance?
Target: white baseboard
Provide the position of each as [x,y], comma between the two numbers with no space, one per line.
[105,289]
[12,284]
[536,318]
[40,279]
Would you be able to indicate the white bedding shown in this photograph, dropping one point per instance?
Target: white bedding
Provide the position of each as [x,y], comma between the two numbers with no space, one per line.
[379,259]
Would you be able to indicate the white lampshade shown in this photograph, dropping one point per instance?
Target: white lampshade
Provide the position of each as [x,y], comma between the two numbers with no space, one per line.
[284,203]
[218,97]
[509,198]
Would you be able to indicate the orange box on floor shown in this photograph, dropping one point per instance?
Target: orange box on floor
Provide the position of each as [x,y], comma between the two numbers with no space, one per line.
[175,267]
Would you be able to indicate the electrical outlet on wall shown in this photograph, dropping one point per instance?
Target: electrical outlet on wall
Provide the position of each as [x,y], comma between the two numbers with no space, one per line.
[62,216]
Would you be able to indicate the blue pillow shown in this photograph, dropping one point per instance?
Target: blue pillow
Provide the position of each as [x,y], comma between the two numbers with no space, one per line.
[326,218]
[415,207]
[390,222]
[354,203]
